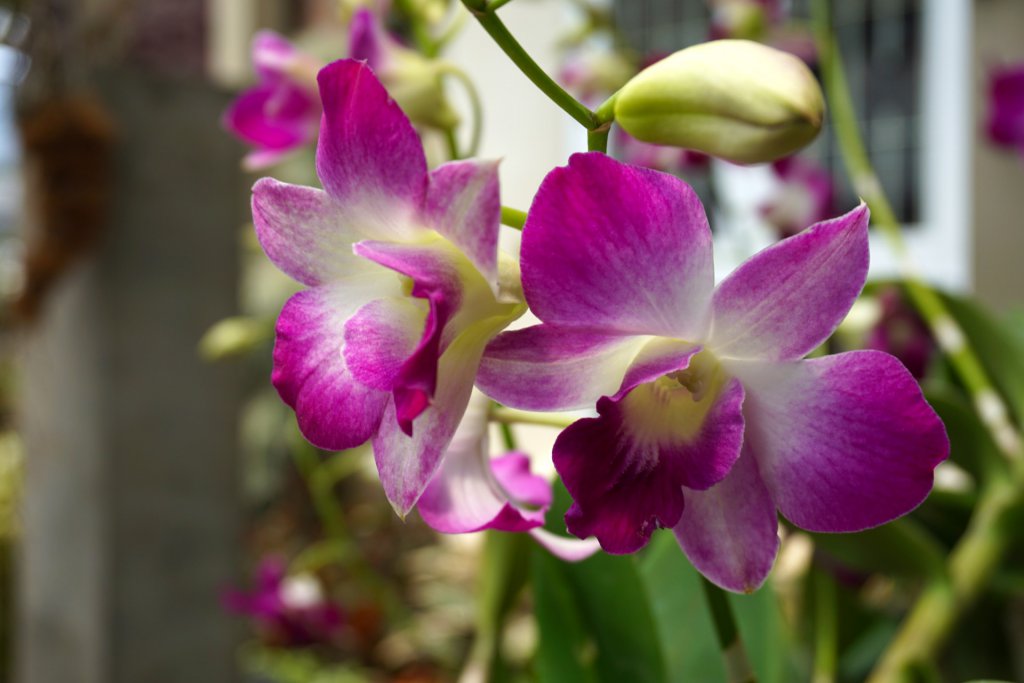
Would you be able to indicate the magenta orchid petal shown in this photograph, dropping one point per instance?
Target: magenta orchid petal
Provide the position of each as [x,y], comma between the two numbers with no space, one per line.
[593,256]
[787,299]
[626,468]
[276,117]
[334,411]
[547,367]
[364,39]
[379,339]
[658,357]
[304,232]
[369,157]
[435,278]
[463,204]
[272,54]
[465,497]
[844,442]
[564,548]
[730,531]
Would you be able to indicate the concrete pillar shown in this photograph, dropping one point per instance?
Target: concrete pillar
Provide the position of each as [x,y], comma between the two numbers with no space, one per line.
[132,509]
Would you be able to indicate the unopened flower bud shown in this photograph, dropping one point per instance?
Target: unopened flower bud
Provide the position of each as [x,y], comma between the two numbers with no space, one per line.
[733,99]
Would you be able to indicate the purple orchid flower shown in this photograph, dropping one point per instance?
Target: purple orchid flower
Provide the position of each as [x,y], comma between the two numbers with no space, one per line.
[1005,123]
[403,284]
[282,112]
[804,196]
[472,492]
[290,611]
[708,419]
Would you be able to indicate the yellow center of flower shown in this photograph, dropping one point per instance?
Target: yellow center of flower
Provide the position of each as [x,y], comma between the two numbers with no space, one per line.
[673,408]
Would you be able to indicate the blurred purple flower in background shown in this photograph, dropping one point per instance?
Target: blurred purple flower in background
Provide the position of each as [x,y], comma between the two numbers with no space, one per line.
[1005,122]
[289,611]
[282,111]
[804,197]
[902,333]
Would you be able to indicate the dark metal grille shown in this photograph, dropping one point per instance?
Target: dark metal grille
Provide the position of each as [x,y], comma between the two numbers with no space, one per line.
[881,45]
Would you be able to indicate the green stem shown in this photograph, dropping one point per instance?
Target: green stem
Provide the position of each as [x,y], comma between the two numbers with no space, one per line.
[503,415]
[452,143]
[825,628]
[502,576]
[513,218]
[947,333]
[597,140]
[495,4]
[475,105]
[737,667]
[507,42]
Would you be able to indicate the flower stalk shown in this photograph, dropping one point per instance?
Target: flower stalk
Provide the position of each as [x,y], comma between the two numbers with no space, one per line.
[503,415]
[495,27]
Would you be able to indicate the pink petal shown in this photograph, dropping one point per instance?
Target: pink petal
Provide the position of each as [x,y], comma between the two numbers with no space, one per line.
[730,531]
[619,248]
[436,278]
[786,300]
[334,410]
[465,497]
[844,442]
[304,232]
[369,158]
[274,116]
[626,468]
[380,337]
[271,54]
[463,204]
[547,367]
[364,39]
[564,548]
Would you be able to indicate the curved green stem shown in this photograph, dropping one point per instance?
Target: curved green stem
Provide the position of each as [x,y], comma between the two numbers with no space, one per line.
[476,108]
[825,627]
[513,218]
[737,666]
[597,140]
[507,42]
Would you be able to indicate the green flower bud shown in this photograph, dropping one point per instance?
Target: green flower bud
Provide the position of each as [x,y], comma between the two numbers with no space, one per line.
[734,99]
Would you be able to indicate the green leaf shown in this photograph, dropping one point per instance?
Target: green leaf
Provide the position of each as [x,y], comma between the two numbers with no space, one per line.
[686,630]
[594,617]
[999,347]
[900,548]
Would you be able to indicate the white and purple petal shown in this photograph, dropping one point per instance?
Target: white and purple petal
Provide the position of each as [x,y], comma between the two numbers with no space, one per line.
[407,463]
[625,469]
[730,531]
[369,157]
[844,442]
[787,299]
[548,367]
[463,205]
[334,410]
[613,247]
[305,233]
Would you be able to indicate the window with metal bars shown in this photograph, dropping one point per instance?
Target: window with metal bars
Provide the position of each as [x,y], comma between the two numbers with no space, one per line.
[881,46]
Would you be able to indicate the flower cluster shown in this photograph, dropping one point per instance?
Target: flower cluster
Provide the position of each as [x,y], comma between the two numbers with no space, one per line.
[709,421]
